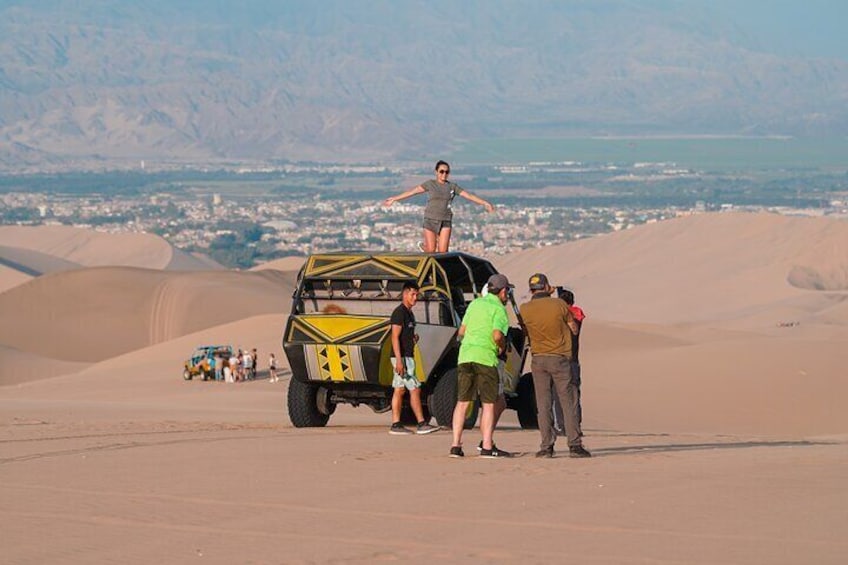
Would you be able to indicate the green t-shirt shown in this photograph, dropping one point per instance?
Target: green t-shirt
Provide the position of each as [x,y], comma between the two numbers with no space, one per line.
[483,315]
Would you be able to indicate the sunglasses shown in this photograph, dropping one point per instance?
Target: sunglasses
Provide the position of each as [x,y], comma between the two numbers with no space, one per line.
[443,171]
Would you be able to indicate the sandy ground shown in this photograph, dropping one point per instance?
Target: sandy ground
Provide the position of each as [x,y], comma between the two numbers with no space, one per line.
[231,482]
[714,387]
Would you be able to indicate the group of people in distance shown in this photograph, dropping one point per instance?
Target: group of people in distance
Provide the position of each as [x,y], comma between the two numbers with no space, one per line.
[242,366]
[552,326]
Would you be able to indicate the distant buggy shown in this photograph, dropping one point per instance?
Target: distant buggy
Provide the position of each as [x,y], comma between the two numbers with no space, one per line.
[200,362]
[338,337]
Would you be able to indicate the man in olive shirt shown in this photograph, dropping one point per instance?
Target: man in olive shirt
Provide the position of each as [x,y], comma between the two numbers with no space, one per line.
[483,334]
[550,326]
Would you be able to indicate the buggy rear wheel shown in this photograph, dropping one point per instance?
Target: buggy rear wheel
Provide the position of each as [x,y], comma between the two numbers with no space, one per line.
[304,410]
[443,401]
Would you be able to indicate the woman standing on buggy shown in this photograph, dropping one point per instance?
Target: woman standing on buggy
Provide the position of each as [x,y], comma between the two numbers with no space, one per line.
[438,214]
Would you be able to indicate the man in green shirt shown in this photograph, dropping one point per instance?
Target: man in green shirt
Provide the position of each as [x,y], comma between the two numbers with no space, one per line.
[483,334]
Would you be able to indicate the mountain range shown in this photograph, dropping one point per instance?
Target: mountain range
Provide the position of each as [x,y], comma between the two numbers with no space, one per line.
[105,83]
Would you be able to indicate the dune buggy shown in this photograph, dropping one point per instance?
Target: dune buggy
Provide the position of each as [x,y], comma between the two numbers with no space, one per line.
[338,337]
[200,362]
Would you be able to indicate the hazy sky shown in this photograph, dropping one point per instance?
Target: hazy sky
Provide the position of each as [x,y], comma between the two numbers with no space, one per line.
[809,28]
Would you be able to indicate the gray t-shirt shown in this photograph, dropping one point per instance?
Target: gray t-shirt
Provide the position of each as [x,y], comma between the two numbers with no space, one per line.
[439,199]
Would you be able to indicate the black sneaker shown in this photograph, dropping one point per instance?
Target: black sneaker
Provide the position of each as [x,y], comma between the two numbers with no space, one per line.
[480,446]
[578,451]
[456,452]
[397,429]
[425,428]
[545,453]
[494,453]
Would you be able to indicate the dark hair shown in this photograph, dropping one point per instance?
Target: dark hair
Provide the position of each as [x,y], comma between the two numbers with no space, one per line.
[566,295]
[410,284]
[440,163]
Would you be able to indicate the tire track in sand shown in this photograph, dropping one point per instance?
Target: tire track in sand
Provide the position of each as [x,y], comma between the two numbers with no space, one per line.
[162,311]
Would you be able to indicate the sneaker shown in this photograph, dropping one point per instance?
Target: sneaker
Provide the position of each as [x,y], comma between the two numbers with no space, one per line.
[578,451]
[494,453]
[480,446]
[397,429]
[545,453]
[456,452]
[425,428]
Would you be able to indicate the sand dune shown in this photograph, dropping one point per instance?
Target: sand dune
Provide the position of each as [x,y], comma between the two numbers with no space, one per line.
[284,264]
[734,383]
[713,369]
[149,378]
[18,265]
[708,268]
[21,367]
[11,277]
[93,314]
[33,263]
[27,252]
[91,248]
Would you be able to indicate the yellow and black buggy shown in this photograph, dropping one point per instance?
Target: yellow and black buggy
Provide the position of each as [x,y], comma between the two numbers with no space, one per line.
[338,336]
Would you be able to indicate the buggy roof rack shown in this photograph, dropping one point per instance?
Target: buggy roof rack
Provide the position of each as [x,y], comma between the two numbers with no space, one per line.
[462,270]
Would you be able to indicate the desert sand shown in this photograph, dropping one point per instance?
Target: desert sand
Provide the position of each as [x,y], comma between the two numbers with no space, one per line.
[714,360]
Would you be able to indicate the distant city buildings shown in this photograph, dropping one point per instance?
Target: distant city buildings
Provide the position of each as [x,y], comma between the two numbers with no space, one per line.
[309,219]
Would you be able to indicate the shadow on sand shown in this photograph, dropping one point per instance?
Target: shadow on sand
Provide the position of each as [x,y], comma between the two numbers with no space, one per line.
[668,448]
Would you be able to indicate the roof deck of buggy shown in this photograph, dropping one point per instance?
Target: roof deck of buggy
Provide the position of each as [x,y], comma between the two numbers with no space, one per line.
[377,276]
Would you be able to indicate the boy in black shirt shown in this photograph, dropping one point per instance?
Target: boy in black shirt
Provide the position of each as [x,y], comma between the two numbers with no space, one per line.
[403,363]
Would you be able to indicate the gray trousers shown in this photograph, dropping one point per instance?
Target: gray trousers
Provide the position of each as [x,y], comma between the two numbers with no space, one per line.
[559,421]
[553,373]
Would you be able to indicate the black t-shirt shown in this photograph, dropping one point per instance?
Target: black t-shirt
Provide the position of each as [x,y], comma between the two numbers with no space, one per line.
[403,317]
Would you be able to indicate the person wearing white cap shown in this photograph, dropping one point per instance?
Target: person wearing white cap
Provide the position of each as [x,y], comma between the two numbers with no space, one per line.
[483,337]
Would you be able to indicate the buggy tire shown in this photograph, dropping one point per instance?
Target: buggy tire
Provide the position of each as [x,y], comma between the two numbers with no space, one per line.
[407,416]
[303,405]
[528,415]
[186,374]
[442,402]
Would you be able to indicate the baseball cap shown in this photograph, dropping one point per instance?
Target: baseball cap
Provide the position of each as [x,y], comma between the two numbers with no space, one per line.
[498,281]
[538,282]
